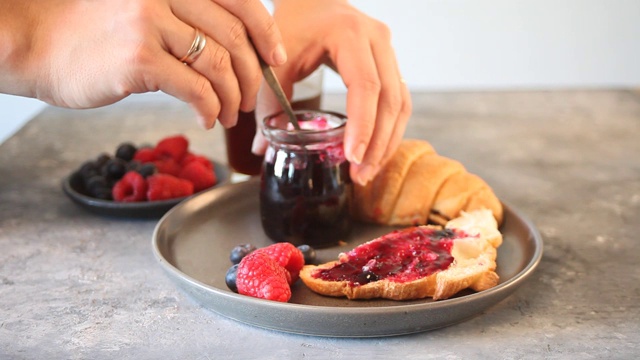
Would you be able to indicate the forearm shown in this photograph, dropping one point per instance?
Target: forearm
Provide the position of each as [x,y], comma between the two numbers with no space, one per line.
[277,3]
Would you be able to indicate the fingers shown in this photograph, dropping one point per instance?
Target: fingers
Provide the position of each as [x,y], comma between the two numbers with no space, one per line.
[401,122]
[230,33]
[358,70]
[378,103]
[180,81]
[229,59]
[214,64]
[260,26]
[390,119]
[268,104]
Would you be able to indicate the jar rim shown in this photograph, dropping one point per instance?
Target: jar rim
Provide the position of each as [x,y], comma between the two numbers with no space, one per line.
[284,134]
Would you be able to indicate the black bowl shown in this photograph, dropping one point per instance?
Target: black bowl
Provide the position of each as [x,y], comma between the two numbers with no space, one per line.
[74,188]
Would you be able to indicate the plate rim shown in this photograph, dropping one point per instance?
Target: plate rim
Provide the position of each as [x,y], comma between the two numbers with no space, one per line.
[502,290]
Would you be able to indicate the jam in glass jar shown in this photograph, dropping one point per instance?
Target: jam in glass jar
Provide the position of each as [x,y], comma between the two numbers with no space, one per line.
[306,191]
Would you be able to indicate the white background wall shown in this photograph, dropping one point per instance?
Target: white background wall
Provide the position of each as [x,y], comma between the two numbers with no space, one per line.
[449,45]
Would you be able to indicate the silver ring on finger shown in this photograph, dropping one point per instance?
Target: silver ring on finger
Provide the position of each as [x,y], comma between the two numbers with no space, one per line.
[196,48]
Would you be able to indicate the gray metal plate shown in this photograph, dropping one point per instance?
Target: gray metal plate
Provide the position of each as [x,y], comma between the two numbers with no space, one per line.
[193,240]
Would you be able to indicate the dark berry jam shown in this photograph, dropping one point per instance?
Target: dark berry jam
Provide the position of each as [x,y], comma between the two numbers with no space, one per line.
[400,256]
[306,190]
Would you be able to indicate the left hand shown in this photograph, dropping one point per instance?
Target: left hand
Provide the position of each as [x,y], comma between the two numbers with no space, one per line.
[84,54]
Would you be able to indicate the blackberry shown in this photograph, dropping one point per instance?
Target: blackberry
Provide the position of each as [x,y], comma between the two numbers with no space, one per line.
[126,151]
[240,251]
[96,183]
[88,170]
[102,159]
[231,277]
[103,194]
[308,252]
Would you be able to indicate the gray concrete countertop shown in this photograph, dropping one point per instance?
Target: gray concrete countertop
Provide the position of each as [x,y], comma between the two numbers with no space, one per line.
[75,285]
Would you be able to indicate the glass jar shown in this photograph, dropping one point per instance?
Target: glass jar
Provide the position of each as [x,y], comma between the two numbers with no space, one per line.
[306,191]
[307,94]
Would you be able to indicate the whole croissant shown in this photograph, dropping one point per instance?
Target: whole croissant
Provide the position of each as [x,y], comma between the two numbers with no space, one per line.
[418,186]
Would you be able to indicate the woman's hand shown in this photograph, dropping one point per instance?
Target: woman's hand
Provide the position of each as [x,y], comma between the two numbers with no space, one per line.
[82,54]
[359,49]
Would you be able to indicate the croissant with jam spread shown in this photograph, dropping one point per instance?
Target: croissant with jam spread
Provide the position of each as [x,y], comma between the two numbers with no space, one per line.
[418,186]
[415,262]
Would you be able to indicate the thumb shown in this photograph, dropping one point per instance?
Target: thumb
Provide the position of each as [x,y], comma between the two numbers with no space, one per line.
[267,104]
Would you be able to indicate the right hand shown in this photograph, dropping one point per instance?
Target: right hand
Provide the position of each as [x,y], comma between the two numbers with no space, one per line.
[359,47]
[83,54]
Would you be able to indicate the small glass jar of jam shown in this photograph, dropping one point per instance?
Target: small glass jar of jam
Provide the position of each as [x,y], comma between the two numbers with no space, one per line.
[307,94]
[306,191]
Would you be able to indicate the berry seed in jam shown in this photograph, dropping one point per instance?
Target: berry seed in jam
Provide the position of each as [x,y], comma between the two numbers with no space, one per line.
[306,190]
[400,256]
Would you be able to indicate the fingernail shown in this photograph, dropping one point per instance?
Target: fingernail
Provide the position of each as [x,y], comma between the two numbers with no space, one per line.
[205,123]
[365,174]
[358,154]
[234,120]
[280,55]
[257,146]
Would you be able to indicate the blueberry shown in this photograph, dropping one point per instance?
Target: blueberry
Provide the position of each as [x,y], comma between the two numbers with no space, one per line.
[366,277]
[308,252]
[133,165]
[443,234]
[240,251]
[230,278]
[126,151]
[114,168]
[147,169]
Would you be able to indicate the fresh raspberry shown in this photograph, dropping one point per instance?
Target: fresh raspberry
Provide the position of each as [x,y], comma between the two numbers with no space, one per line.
[288,256]
[145,155]
[165,186]
[174,147]
[201,176]
[168,166]
[261,276]
[190,157]
[132,187]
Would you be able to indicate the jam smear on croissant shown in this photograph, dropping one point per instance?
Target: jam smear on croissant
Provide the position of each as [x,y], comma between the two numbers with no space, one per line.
[400,256]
